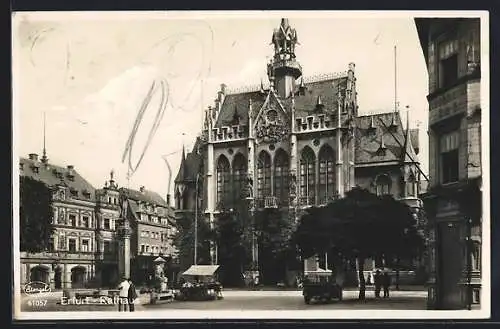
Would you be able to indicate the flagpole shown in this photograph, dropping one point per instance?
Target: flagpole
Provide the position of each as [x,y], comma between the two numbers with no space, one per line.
[395,80]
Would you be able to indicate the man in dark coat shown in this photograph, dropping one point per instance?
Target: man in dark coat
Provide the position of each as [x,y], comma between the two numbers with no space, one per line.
[132,296]
[377,278]
[386,282]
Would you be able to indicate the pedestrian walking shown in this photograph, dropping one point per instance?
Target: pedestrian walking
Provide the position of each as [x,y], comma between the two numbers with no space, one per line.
[386,282]
[123,295]
[132,295]
[377,278]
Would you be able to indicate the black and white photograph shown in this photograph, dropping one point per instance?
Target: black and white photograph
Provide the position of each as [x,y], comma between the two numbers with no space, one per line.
[251,165]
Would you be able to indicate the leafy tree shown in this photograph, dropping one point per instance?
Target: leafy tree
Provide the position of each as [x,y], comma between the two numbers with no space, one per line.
[36,215]
[359,226]
[232,247]
[274,232]
[184,240]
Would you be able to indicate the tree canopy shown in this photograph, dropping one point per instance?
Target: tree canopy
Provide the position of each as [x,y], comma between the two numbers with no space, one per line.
[36,215]
[233,247]
[358,226]
[184,240]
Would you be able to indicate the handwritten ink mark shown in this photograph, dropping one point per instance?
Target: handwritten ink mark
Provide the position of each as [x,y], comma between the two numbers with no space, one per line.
[159,116]
[35,40]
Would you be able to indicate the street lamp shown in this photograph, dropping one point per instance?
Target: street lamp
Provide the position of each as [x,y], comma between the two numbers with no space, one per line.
[251,204]
[469,263]
[196,221]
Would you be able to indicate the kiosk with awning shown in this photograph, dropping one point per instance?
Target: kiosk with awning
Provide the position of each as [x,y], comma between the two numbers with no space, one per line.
[200,283]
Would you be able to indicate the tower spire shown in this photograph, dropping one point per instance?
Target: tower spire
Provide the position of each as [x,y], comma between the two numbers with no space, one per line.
[44,155]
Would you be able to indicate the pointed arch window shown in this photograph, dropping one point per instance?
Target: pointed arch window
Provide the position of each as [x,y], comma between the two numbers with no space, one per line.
[281,165]
[239,176]
[411,185]
[383,185]
[223,180]
[308,176]
[264,175]
[326,174]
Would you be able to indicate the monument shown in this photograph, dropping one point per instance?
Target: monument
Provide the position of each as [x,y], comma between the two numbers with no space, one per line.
[124,238]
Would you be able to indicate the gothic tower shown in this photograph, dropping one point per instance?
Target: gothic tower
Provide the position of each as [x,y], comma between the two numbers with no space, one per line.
[284,69]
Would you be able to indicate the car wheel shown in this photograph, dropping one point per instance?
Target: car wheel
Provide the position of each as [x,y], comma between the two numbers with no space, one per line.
[307,299]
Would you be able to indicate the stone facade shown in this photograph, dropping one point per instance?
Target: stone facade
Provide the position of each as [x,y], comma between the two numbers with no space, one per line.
[452,51]
[89,247]
[294,143]
[76,257]
[152,227]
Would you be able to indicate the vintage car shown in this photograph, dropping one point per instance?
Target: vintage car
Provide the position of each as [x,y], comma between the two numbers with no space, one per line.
[320,286]
[199,282]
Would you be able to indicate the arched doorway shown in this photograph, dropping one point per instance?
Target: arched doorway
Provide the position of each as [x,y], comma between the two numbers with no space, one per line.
[58,278]
[78,274]
[40,273]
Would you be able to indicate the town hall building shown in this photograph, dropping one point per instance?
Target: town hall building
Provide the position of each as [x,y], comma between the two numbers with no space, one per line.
[299,142]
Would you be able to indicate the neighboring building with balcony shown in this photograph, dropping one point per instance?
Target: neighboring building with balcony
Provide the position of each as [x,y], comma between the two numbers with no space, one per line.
[299,142]
[71,260]
[152,223]
[84,247]
[107,222]
[451,48]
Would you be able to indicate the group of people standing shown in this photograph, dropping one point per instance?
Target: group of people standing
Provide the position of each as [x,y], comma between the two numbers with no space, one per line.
[382,280]
[127,294]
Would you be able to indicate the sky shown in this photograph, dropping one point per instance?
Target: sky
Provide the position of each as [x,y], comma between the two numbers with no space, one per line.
[90,73]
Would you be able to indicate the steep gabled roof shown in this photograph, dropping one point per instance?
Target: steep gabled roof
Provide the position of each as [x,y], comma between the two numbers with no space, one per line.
[368,140]
[145,196]
[409,155]
[239,103]
[182,168]
[414,140]
[326,90]
[305,99]
[52,175]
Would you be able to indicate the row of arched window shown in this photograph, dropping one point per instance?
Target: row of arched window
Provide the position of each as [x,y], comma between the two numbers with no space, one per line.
[383,185]
[316,176]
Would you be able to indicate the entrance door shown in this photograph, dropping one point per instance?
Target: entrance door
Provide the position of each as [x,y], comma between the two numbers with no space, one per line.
[450,265]
[40,273]
[78,277]
[58,278]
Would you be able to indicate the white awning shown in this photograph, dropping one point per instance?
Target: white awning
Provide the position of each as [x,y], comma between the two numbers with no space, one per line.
[201,270]
[159,260]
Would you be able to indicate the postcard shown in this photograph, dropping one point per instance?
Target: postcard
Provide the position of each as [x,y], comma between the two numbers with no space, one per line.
[251,165]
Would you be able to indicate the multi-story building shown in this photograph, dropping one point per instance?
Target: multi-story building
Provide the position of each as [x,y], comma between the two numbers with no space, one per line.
[451,48]
[84,247]
[297,143]
[70,261]
[152,224]
[107,222]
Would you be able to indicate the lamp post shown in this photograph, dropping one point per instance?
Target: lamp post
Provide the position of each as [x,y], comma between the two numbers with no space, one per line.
[196,221]
[469,263]
[251,205]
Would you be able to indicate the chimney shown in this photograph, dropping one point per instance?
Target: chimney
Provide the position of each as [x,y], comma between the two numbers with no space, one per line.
[168,199]
[33,156]
[141,189]
[223,88]
[70,170]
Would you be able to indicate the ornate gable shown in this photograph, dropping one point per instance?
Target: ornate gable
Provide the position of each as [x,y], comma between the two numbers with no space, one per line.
[272,124]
